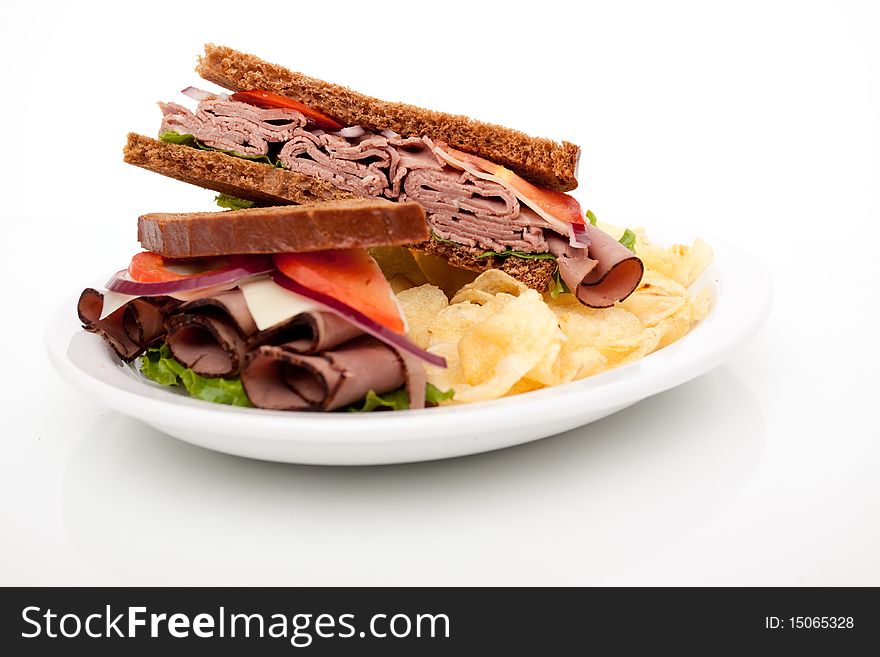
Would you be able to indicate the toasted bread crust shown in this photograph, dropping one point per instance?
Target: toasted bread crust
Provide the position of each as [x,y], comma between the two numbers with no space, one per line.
[344,224]
[253,181]
[543,162]
[537,274]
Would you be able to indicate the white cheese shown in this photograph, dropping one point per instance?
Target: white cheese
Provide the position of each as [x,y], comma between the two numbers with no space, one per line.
[113,301]
[202,292]
[271,304]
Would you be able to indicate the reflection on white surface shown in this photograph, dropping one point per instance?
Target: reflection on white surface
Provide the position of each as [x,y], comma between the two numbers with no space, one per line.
[144,508]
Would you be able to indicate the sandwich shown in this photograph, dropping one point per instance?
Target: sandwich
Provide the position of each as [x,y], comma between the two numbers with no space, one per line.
[494,197]
[280,308]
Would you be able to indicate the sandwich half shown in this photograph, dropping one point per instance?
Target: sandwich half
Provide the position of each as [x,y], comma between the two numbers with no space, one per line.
[494,197]
[280,308]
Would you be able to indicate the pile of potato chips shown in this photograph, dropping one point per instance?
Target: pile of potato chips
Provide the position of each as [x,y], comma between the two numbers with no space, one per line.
[501,338]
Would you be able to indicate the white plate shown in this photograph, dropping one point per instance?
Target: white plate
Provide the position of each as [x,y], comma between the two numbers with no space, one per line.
[742,297]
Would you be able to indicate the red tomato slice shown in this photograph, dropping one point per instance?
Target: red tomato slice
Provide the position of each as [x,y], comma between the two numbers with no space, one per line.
[149,267]
[267,99]
[557,204]
[349,275]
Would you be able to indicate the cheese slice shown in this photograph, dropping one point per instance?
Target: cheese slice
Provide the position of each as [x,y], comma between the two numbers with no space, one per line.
[268,302]
[113,301]
[271,304]
[202,292]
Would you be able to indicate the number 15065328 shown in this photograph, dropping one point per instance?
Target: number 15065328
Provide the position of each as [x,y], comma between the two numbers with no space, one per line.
[809,622]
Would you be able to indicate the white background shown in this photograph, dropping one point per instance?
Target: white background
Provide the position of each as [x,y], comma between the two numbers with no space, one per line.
[756,120]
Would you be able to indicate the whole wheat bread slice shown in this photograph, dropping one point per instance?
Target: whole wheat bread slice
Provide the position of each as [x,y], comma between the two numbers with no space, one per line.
[543,162]
[343,224]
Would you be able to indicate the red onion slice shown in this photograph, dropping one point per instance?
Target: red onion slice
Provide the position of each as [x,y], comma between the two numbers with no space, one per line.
[389,134]
[579,237]
[237,269]
[200,94]
[364,323]
[351,132]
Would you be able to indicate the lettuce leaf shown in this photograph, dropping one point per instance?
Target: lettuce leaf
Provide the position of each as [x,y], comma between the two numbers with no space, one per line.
[158,367]
[629,240]
[397,400]
[435,236]
[558,285]
[172,137]
[232,203]
[157,364]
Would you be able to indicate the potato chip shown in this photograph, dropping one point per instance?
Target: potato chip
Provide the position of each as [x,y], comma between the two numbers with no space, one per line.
[500,337]
[701,303]
[546,371]
[679,324]
[487,285]
[490,347]
[673,328]
[524,385]
[626,350]
[593,326]
[656,298]
[421,306]
[679,262]
[568,364]
[615,333]
[577,363]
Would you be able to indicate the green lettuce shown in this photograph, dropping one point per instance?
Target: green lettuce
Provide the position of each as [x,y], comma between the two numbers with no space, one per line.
[172,137]
[397,400]
[232,203]
[157,364]
[445,241]
[558,285]
[629,240]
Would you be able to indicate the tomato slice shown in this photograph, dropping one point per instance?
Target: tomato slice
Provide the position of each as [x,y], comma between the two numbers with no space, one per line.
[149,267]
[348,275]
[267,99]
[557,204]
